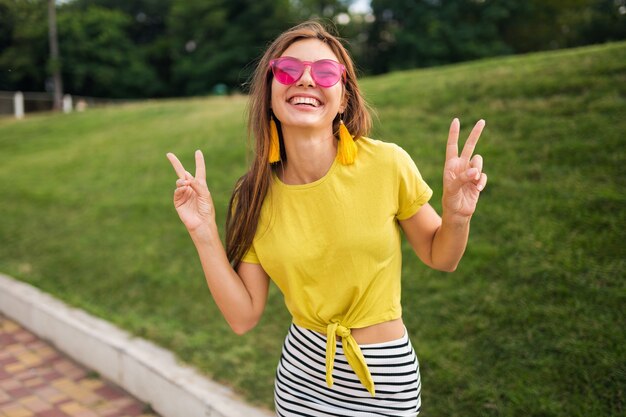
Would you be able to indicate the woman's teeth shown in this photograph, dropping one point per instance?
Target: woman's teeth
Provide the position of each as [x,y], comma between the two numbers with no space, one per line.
[305,100]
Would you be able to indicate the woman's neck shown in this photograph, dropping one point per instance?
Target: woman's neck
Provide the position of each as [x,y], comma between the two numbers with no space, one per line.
[310,154]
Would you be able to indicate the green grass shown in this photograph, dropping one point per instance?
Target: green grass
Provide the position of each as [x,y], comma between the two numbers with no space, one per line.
[532,322]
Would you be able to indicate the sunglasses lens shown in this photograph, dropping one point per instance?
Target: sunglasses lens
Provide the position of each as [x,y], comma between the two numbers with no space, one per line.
[326,72]
[287,71]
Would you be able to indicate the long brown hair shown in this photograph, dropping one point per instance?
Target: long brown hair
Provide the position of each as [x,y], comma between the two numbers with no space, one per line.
[250,191]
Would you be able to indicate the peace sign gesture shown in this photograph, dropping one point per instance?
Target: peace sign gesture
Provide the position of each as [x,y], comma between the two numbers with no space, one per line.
[463,179]
[192,198]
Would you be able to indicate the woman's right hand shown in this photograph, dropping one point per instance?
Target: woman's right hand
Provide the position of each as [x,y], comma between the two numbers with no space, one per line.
[192,198]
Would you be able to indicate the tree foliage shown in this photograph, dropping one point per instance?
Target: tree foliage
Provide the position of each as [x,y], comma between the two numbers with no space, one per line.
[407,34]
[99,59]
[321,9]
[23,44]
[429,32]
[214,41]
[157,48]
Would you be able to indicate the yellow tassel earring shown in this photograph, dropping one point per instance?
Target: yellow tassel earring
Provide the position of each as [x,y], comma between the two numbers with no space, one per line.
[347,149]
[274,142]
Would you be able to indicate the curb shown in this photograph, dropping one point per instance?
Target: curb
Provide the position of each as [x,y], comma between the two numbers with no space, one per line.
[146,371]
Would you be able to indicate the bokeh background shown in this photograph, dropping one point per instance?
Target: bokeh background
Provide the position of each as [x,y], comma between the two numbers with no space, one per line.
[163,48]
[531,323]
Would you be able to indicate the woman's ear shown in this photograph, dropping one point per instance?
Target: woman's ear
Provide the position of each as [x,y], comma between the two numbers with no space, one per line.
[344,101]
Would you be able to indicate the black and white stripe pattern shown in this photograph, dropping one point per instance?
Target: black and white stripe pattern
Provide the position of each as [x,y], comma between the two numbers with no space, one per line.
[300,388]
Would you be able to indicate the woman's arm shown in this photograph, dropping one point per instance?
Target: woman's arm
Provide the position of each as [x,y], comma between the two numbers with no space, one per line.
[240,295]
[441,241]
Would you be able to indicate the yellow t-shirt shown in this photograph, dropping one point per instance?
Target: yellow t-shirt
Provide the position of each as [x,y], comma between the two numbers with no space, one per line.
[333,246]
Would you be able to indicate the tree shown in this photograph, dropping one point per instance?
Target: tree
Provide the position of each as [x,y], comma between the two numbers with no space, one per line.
[23,45]
[601,21]
[214,41]
[543,24]
[98,57]
[434,32]
[321,9]
[147,31]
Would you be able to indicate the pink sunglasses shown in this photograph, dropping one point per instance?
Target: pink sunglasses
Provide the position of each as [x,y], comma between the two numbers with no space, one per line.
[325,72]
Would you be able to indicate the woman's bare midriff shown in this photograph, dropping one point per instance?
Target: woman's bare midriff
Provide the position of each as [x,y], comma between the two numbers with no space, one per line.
[378,333]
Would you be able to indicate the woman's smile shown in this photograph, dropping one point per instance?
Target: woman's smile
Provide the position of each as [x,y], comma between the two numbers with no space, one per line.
[305,102]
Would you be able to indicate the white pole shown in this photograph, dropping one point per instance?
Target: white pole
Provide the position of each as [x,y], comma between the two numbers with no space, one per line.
[67,103]
[18,104]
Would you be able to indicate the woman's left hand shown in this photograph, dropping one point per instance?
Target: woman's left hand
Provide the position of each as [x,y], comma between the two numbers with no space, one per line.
[463,177]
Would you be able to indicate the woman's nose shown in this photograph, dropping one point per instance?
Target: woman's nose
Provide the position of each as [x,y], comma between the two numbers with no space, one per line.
[306,79]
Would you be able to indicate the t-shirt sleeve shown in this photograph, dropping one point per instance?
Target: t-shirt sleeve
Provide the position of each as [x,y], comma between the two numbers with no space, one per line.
[251,256]
[413,192]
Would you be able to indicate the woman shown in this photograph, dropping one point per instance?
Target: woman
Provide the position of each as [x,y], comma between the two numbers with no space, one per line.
[320,213]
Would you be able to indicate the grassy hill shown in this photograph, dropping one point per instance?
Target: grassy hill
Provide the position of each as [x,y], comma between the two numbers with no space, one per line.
[532,322]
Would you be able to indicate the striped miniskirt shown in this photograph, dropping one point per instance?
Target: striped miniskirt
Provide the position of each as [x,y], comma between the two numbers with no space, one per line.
[300,387]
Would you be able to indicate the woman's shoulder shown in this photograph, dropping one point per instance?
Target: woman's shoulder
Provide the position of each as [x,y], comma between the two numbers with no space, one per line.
[379,150]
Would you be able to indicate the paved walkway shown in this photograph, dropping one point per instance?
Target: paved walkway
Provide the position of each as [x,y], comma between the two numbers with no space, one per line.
[37,380]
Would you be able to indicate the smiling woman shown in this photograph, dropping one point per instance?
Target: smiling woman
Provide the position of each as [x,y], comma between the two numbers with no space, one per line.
[320,212]
[307,99]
